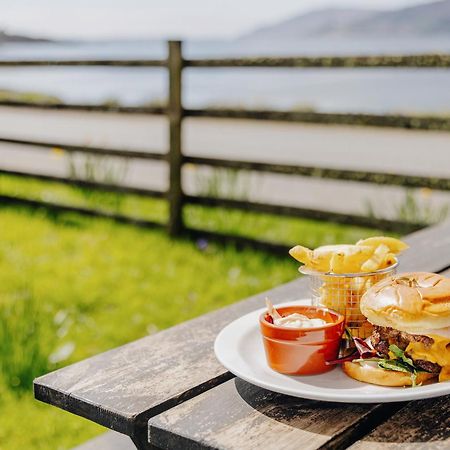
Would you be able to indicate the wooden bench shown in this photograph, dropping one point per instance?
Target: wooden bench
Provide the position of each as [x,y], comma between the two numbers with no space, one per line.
[168,390]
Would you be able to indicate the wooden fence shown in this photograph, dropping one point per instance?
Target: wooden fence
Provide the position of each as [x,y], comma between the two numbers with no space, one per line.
[175,64]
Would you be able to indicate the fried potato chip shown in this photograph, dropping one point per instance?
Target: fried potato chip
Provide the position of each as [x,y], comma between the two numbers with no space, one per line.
[377,259]
[394,245]
[301,254]
[389,260]
[336,262]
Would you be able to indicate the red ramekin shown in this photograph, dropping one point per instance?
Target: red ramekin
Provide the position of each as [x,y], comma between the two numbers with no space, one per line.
[302,351]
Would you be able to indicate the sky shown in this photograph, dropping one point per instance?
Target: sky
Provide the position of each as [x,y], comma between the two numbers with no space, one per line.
[106,19]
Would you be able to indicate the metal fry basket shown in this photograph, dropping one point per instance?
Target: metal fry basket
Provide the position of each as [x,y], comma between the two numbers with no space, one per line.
[343,291]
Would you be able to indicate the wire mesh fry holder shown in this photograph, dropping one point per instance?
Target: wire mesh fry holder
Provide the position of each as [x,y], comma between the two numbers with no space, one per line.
[343,291]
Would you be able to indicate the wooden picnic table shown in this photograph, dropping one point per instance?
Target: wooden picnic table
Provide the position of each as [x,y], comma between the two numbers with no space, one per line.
[168,390]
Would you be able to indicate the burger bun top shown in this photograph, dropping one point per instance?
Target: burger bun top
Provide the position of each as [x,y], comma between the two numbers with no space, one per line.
[413,302]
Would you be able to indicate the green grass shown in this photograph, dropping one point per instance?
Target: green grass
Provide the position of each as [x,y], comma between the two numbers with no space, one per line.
[71,287]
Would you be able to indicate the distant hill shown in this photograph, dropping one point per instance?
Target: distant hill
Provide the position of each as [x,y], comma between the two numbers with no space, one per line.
[423,20]
[6,37]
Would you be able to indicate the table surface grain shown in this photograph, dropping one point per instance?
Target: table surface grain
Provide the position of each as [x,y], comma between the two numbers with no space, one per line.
[173,379]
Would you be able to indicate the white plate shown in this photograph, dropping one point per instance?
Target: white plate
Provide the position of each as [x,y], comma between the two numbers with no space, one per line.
[240,349]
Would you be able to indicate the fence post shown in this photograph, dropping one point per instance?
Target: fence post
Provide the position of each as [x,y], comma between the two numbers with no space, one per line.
[175,156]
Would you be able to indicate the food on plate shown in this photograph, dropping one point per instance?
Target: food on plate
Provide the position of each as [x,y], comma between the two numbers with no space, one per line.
[410,343]
[366,255]
[293,320]
[299,340]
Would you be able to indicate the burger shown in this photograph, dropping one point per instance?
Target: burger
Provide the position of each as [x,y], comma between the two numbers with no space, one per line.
[410,342]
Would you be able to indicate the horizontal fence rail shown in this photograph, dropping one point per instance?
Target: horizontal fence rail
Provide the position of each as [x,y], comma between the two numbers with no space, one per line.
[153,110]
[101,151]
[391,179]
[415,122]
[85,63]
[60,207]
[291,211]
[374,120]
[382,178]
[396,61]
[87,184]
[176,113]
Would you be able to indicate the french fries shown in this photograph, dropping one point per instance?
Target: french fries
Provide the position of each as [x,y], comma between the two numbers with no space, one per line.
[355,264]
[367,255]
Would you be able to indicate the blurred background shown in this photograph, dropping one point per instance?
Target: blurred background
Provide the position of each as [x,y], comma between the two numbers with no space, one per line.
[128,165]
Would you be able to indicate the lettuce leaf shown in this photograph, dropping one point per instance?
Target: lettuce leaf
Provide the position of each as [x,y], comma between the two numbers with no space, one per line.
[400,354]
[394,364]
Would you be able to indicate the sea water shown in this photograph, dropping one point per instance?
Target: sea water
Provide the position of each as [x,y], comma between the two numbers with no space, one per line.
[329,90]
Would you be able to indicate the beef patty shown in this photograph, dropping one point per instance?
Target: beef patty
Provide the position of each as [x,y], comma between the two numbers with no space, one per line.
[383,337]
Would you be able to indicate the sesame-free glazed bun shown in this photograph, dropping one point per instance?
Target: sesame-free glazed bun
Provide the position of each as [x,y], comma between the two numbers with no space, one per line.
[409,302]
[370,373]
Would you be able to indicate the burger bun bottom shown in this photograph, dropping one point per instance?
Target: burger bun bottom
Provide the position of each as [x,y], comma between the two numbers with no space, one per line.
[370,373]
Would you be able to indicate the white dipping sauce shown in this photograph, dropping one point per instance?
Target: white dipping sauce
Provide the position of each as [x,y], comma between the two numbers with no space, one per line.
[297,320]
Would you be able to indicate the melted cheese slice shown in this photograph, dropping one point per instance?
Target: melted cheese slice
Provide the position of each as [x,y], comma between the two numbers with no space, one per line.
[445,374]
[438,353]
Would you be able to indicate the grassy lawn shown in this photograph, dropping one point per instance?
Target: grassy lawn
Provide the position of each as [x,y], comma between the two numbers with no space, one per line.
[71,287]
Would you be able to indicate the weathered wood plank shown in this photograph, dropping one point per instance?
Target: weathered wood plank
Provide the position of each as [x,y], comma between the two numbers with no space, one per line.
[154,110]
[238,415]
[85,62]
[121,389]
[425,60]
[417,122]
[382,178]
[419,425]
[429,249]
[369,120]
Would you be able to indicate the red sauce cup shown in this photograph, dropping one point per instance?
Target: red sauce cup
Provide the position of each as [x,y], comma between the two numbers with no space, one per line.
[302,351]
